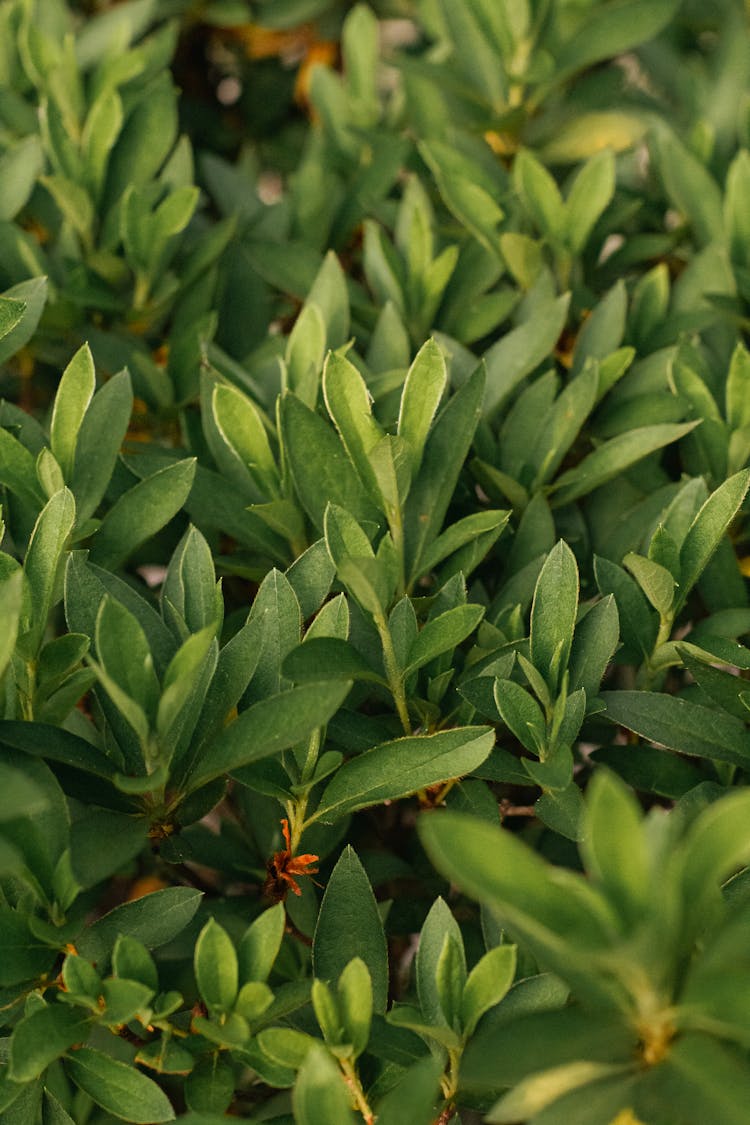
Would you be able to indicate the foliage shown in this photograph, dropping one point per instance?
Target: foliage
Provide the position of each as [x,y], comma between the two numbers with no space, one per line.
[374,459]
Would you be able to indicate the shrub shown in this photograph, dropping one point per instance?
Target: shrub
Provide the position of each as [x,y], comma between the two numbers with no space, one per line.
[374,461]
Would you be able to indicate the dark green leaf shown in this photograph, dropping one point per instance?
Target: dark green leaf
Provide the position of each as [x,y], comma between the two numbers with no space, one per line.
[349,926]
[118,1088]
[397,769]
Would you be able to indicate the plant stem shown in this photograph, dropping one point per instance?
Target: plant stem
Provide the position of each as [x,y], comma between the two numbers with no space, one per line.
[393,672]
[352,1080]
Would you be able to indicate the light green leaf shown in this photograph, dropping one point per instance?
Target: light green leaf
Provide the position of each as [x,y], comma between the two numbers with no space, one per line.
[319,1093]
[11,600]
[709,528]
[656,581]
[590,193]
[423,389]
[553,614]
[487,984]
[539,194]
[44,557]
[216,969]
[260,944]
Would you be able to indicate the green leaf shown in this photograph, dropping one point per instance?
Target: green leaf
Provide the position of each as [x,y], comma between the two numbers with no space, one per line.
[24,956]
[442,634]
[450,978]
[709,528]
[521,714]
[349,405]
[209,1088]
[305,350]
[690,186]
[589,195]
[11,601]
[614,845]
[462,533]
[153,920]
[102,842]
[329,292]
[118,1088]
[216,969]
[656,581]
[18,471]
[400,768]
[53,1113]
[638,624]
[423,389]
[310,577]
[709,1079]
[321,468]
[535,1093]
[474,52]
[611,29]
[11,314]
[74,393]
[19,796]
[268,727]
[737,399]
[539,194]
[141,512]
[100,437]
[260,944]
[416,1097]
[125,655]
[327,658]
[73,201]
[444,454]
[716,846]
[563,423]
[495,867]
[132,961]
[20,166]
[125,1000]
[56,744]
[185,681]
[47,547]
[594,644]
[349,926]
[487,984]
[42,1037]
[234,670]
[319,1093]
[356,1004]
[239,424]
[439,927]
[32,294]
[103,124]
[687,727]
[553,614]
[613,457]
[522,349]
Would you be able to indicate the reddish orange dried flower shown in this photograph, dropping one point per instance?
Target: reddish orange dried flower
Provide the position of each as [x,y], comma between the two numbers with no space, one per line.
[282,868]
